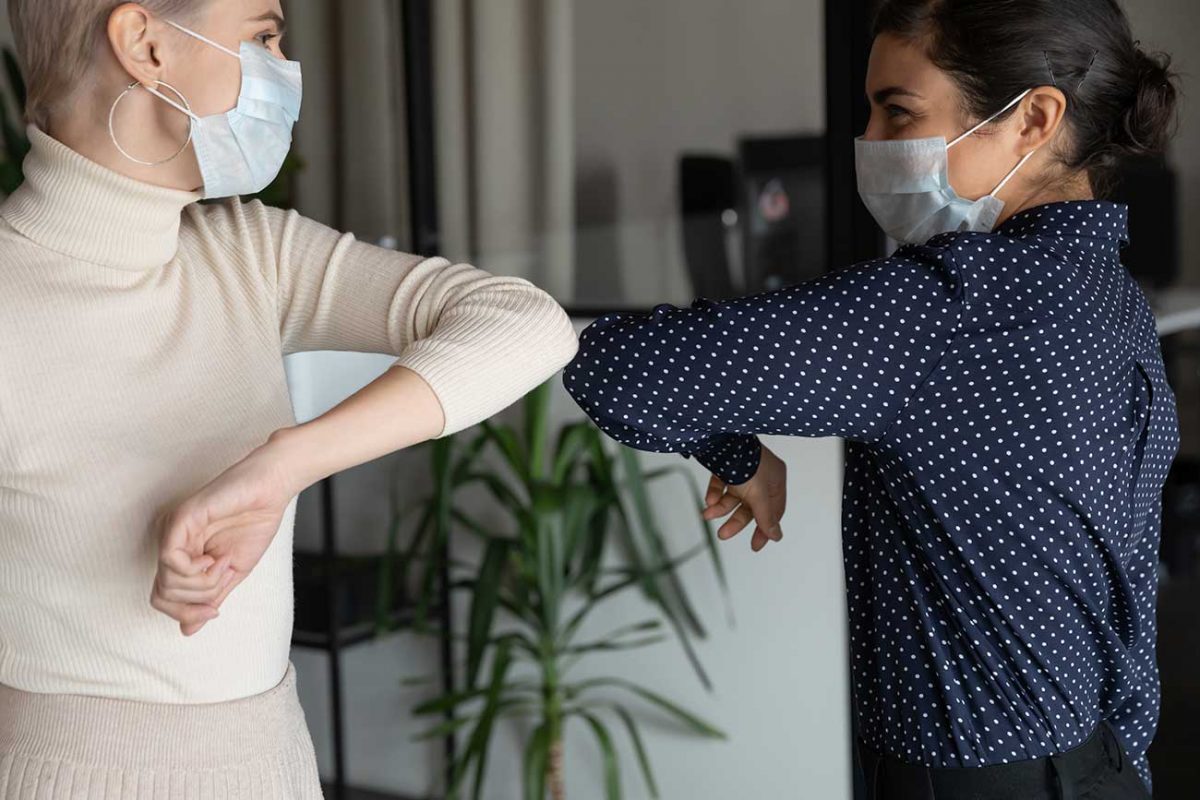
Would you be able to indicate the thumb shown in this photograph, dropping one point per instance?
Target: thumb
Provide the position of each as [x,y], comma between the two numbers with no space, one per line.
[185,563]
[766,521]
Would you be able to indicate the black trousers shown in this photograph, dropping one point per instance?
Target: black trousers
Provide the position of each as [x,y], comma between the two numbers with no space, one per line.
[1099,769]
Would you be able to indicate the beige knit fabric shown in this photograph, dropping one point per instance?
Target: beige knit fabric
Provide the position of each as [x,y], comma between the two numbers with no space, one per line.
[141,336]
[73,747]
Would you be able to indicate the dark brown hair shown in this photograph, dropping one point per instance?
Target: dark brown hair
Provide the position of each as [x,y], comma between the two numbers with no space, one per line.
[1121,100]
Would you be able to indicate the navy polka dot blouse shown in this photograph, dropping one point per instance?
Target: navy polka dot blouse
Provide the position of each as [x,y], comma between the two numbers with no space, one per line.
[1009,430]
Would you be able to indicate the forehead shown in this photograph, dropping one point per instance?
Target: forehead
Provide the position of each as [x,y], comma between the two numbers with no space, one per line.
[236,12]
[903,63]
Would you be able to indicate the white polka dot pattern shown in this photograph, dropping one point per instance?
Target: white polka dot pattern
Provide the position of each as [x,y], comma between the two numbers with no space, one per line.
[1010,428]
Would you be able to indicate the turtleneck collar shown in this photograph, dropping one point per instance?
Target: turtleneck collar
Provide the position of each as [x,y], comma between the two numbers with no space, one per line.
[74,206]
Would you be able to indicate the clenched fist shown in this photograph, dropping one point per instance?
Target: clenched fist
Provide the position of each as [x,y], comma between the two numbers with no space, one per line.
[211,541]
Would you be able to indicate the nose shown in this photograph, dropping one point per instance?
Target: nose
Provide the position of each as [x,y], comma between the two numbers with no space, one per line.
[874,131]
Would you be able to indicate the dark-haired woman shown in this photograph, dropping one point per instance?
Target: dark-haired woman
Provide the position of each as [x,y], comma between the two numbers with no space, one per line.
[1001,386]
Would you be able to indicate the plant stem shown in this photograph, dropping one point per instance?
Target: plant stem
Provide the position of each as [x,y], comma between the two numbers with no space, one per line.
[554,771]
[554,721]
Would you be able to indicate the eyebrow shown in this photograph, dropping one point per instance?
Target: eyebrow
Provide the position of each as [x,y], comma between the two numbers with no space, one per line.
[883,95]
[271,16]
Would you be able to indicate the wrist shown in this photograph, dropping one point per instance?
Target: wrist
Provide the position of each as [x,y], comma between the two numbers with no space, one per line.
[289,449]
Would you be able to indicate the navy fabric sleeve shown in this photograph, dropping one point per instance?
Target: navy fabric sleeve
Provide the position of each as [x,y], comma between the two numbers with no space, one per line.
[836,356]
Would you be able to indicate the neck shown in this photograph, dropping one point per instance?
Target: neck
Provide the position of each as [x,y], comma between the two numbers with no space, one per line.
[1048,191]
[85,130]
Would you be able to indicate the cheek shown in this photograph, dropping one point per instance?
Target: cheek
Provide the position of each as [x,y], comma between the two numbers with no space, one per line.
[214,86]
[972,172]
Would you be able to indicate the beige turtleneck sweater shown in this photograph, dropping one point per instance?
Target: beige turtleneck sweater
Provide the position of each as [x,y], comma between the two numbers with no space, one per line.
[141,344]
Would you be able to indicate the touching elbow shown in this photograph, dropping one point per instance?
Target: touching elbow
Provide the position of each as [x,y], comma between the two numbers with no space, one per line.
[555,333]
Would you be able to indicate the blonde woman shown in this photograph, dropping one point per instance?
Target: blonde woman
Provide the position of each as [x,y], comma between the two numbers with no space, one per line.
[149,457]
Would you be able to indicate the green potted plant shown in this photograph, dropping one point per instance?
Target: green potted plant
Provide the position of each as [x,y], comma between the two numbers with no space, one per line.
[576,529]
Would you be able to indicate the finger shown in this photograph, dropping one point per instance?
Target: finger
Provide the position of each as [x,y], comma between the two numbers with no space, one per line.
[184,563]
[769,526]
[740,519]
[759,540]
[186,613]
[210,579]
[722,507]
[235,577]
[716,488]
[207,595]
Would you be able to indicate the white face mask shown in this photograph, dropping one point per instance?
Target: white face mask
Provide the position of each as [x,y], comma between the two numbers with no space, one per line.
[905,184]
[242,150]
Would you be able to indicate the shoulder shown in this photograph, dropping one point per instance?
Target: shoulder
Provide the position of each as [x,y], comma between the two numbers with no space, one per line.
[232,216]
[926,267]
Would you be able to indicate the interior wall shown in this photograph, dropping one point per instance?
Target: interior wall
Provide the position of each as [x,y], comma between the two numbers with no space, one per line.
[653,80]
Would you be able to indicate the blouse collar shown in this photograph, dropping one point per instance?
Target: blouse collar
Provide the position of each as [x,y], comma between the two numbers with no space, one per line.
[1091,219]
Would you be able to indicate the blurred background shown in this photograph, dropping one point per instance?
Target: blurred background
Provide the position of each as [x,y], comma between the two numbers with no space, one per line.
[620,154]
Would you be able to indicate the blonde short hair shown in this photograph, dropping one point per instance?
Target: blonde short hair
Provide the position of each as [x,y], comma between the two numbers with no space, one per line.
[57,41]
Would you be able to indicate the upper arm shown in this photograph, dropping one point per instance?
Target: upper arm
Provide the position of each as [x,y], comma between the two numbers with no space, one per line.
[839,355]
[335,292]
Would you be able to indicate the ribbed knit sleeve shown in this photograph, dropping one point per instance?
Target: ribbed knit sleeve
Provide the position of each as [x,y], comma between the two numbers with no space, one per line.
[481,341]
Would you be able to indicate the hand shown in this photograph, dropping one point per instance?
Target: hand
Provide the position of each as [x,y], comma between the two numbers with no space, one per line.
[209,543]
[761,499]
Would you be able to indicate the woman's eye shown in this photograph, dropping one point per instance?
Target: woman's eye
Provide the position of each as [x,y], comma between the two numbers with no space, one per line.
[898,111]
[266,38]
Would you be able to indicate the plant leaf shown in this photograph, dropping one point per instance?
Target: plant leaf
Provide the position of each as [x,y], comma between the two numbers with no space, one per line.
[537,405]
[483,605]
[15,80]
[393,569]
[550,572]
[572,443]
[537,756]
[510,447]
[639,747]
[447,702]
[604,646]
[482,736]
[706,534]
[690,720]
[612,767]
[653,537]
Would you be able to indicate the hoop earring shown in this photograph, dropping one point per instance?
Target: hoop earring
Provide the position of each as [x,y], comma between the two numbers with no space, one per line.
[187,108]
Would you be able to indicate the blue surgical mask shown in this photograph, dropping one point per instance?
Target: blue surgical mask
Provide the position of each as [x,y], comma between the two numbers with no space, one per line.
[242,150]
[905,184]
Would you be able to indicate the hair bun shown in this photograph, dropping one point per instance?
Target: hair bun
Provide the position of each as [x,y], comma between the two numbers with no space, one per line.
[1150,121]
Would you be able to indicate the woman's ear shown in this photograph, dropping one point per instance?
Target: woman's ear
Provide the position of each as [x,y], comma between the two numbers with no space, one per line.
[1042,114]
[134,46]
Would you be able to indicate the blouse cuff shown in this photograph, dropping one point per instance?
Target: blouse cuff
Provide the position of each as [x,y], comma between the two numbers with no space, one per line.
[732,457]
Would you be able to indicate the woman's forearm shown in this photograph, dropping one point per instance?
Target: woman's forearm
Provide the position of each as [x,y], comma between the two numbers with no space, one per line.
[396,410]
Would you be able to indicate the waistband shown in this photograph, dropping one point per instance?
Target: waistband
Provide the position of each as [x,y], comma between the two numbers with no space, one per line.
[1055,776]
[132,734]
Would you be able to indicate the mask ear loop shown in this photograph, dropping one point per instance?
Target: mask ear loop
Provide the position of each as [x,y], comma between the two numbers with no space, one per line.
[186,110]
[1020,163]
[1009,176]
[203,38]
[1011,103]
